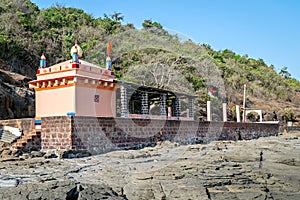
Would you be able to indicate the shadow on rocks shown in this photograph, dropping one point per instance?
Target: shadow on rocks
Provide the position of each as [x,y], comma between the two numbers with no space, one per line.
[90,191]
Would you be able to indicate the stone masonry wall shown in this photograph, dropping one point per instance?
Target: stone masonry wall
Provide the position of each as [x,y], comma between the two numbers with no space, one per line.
[56,133]
[291,128]
[104,134]
[24,124]
[34,143]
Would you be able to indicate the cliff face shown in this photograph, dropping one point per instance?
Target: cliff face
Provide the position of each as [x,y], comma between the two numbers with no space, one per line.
[16,99]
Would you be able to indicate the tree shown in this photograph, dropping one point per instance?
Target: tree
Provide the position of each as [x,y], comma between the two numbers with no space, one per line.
[160,72]
[117,17]
[110,24]
[284,72]
[289,114]
[148,24]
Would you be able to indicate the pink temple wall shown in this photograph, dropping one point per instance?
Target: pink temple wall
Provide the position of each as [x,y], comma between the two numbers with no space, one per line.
[55,102]
[79,99]
[87,105]
[72,88]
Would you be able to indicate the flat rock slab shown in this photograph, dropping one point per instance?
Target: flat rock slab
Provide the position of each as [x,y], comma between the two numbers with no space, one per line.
[9,183]
[218,170]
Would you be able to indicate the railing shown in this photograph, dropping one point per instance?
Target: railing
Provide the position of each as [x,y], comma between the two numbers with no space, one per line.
[149,116]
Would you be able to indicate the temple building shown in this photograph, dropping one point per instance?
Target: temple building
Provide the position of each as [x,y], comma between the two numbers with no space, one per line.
[82,107]
[79,88]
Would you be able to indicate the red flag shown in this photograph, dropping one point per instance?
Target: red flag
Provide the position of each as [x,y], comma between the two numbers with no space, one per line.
[109,48]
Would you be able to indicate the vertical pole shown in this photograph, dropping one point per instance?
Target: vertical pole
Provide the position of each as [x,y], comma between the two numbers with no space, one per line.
[260,116]
[224,112]
[209,114]
[244,104]
[237,110]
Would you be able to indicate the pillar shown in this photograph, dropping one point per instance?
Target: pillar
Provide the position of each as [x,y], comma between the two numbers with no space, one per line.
[124,110]
[224,105]
[177,106]
[209,111]
[244,115]
[162,103]
[145,106]
[191,108]
[237,110]
[260,115]
[169,111]
[131,105]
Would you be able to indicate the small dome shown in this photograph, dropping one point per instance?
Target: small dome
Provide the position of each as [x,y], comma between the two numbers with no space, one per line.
[76,49]
[108,59]
[43,57]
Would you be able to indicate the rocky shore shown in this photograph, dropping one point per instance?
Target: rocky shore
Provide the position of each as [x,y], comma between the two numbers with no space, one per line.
[266,168]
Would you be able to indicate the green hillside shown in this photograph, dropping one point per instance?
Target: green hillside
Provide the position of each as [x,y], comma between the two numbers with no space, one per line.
[150,56]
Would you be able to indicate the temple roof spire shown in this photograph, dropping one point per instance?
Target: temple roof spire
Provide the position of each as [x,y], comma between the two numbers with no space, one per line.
[108,59]
[76,49]
[43,61]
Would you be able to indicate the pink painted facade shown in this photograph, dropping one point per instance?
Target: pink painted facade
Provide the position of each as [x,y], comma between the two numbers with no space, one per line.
[69,88]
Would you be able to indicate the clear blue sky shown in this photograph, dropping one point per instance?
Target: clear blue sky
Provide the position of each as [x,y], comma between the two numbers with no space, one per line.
[267,29]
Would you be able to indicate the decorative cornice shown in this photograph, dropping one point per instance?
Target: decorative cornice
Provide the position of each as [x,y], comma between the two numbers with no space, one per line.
[74,80]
